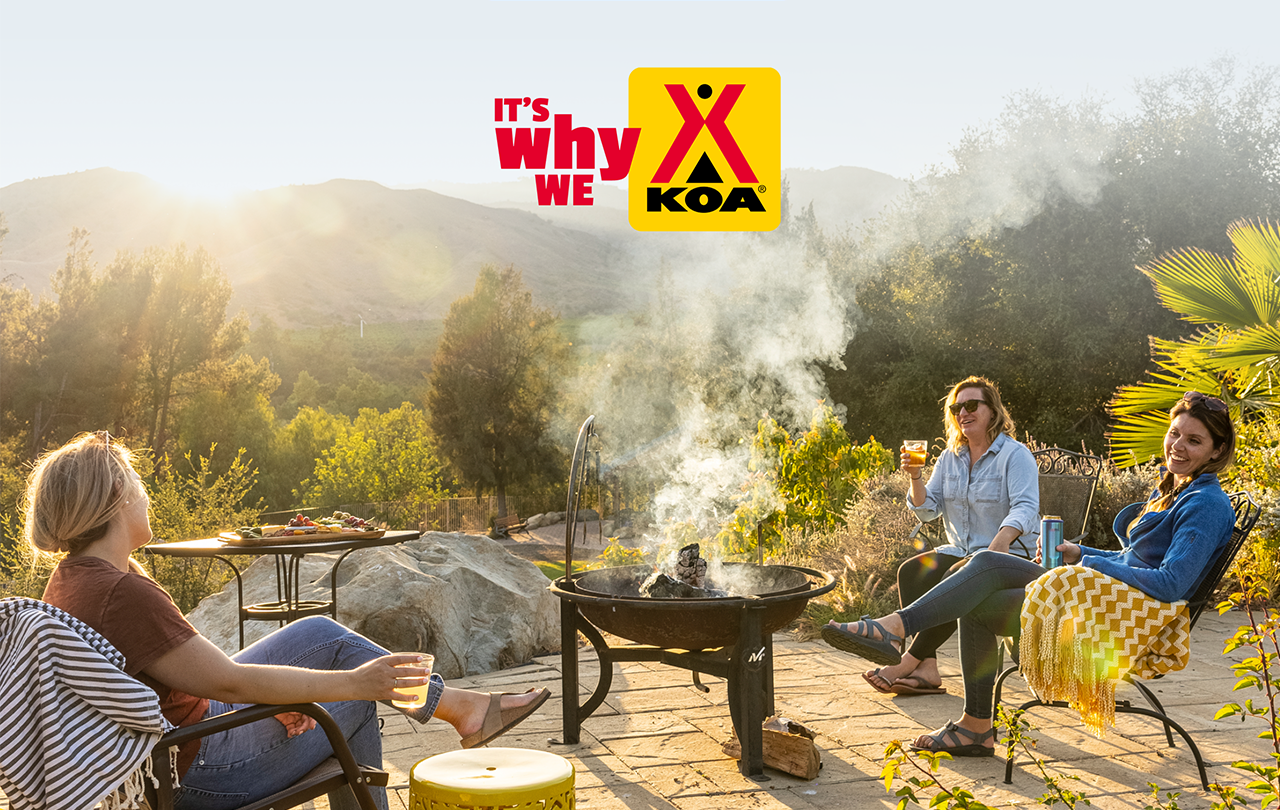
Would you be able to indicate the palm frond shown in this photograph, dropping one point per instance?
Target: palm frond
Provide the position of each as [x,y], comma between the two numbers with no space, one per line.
[1138,438]
[1246,347]
[1258,259]
[1236,357]
[1164,390]
[1202,287]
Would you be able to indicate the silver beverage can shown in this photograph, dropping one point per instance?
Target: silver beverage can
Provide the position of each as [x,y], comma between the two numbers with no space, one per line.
[1050,537]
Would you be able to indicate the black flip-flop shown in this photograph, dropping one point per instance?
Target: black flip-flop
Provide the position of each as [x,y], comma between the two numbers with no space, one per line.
[875,673]
[916,686]
[875,650]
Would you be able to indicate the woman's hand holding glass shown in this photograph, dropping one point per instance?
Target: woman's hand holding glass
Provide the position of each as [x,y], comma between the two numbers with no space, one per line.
[416,679]
[914,455]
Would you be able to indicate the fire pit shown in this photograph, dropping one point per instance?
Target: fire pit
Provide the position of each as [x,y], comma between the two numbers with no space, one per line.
[610,599]
[730,637]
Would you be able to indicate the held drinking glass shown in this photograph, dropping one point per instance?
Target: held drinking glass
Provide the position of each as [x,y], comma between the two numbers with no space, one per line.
[419,692]
[918,450]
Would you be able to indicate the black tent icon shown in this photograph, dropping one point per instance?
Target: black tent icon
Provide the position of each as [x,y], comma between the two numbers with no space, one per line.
[704,173]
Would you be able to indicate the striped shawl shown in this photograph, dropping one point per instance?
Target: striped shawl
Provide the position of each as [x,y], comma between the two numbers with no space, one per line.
[76,729]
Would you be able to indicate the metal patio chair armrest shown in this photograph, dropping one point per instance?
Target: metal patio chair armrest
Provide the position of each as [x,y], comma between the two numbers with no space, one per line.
[341,769]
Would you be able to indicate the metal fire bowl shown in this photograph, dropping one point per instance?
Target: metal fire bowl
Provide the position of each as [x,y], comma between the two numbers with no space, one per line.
[610,599]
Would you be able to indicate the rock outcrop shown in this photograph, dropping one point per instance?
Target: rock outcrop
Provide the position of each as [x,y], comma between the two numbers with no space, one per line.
[461,597]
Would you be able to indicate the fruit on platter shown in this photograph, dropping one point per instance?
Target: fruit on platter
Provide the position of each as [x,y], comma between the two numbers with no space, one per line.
[301,524]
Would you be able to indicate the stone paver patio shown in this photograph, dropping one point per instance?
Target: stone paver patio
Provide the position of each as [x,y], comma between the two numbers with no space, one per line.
[655,743]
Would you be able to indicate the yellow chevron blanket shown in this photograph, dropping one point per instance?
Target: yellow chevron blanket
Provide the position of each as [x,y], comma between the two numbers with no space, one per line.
[1083,630]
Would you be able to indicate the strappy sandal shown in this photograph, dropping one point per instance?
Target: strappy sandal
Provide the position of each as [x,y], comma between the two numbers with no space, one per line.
[498,721]
[877,650]
[956,748]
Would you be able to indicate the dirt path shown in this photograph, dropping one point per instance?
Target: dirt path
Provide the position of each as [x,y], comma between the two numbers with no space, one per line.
[546,544]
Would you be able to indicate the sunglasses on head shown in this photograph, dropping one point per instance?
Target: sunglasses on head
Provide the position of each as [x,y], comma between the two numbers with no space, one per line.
[1197,398]
[969,405]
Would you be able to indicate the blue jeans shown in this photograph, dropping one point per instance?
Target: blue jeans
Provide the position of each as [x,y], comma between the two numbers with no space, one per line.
[247,763]
[986,595]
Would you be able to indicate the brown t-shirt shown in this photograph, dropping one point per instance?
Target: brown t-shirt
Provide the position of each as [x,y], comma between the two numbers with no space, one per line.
[140,620]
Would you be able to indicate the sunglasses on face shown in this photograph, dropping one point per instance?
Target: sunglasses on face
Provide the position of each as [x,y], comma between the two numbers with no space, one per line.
[1197,398]
[969,405]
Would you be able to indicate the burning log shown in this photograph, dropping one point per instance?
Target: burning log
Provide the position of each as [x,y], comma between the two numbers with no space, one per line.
[690,581]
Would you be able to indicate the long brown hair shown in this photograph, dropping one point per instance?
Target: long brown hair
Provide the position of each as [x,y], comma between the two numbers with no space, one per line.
[74,492]
[1002,422]
[1223,433]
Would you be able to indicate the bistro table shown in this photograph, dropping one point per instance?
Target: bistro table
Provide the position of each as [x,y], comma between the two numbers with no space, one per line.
[289,606]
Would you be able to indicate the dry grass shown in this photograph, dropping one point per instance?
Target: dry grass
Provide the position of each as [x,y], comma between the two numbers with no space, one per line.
[863,554]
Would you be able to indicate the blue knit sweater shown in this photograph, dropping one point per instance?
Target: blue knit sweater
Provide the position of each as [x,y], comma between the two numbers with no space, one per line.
[1167,553]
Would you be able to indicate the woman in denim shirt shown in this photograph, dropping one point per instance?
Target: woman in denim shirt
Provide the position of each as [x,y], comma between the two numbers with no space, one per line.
[1169,543]
[986,488]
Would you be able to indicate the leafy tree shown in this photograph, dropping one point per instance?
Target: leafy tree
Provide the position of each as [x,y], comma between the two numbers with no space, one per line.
[230,406]
[197,502]
[184,326]
[1236,353]
[493,384]
[383,457]
[21,336]
[296,449]
[1017,262]
[110,349]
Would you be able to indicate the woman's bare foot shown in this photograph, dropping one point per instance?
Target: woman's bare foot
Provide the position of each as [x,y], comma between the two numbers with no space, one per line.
[919,672]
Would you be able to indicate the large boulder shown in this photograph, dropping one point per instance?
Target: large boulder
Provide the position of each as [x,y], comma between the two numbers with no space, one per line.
[462,597]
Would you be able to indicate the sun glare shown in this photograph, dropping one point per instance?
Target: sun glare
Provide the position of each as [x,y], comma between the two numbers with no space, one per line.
[209,186]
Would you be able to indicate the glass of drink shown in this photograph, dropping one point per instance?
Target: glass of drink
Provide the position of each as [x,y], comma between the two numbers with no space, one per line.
[419,692]
[918,450]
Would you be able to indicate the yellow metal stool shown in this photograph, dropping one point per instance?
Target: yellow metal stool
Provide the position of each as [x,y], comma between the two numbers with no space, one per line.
[478,778]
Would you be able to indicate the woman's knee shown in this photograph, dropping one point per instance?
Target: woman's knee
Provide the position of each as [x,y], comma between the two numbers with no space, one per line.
[320,624]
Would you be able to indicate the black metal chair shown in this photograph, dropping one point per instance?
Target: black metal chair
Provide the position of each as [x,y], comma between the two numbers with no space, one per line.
[1247,513]
[1068,481]
[340,769]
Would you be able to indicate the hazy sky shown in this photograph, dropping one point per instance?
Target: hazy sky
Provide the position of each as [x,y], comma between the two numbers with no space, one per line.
[213,96]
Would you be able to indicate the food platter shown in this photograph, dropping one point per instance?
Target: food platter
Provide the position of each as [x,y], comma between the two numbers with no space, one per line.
[307,534]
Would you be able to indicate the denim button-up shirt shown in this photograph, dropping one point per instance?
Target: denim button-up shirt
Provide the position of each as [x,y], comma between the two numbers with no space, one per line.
[1002,489]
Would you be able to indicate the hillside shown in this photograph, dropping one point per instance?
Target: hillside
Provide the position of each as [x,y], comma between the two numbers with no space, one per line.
[328,253]
[340,251]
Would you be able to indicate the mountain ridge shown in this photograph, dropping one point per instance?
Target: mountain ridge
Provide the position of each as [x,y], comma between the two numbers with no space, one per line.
[344,250]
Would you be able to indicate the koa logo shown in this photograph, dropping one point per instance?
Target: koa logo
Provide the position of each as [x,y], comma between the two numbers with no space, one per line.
[711,157]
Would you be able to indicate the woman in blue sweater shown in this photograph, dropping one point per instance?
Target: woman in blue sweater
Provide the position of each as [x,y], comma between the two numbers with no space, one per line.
[1169,543]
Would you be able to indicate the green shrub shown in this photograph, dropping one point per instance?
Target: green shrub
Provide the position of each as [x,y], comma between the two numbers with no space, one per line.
[1257,469]
[803,482]
[195,503]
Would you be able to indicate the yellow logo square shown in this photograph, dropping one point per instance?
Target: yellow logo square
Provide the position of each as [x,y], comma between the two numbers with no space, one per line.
[709,156]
